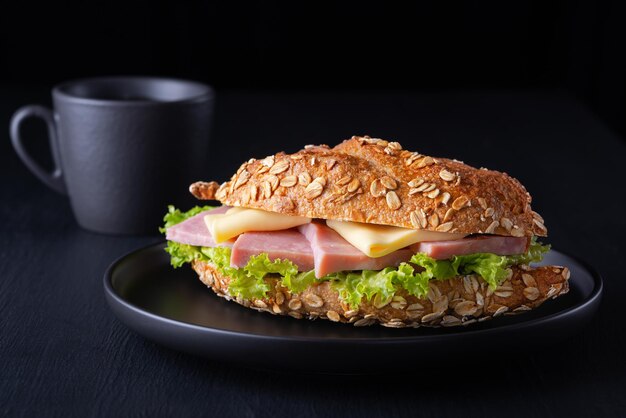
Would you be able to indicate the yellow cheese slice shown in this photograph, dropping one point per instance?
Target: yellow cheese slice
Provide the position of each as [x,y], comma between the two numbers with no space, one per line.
[236,221]
[379,240]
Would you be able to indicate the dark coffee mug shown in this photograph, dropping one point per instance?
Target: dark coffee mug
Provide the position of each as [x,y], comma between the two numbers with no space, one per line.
[123,147]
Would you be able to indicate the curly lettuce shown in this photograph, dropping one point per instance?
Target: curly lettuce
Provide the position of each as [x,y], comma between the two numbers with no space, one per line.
[491,267]
[353,286]
[249,281]
[181,254]
[382,285]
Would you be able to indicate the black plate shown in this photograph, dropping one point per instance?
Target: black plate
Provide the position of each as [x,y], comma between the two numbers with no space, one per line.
[175,309]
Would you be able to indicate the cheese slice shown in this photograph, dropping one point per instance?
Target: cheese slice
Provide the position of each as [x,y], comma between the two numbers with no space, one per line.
[379,240]
[236,221]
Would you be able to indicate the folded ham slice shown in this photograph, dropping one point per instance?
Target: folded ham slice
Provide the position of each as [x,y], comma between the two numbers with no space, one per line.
[193,231]
[332,253]
[442,250]
[316,246]
[286,244]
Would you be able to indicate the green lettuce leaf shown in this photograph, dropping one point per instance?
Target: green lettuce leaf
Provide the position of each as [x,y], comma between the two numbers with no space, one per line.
[300,281]
[220,256]
[260,265]
[416,283]
[434,269]
[491,267]
[241,284]
[249,282]
[377,283]
[379,286]
[248,287]
[347,285]
[182,253]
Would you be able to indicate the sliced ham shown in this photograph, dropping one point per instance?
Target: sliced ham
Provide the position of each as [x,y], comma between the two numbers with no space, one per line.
[286,244]
[316,246]
[442,250]
[332,253]
[193,231]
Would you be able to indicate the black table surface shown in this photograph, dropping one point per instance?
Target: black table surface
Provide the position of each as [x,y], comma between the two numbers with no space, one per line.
[63,352]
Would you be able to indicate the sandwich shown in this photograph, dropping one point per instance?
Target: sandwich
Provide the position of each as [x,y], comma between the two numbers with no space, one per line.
[368,233]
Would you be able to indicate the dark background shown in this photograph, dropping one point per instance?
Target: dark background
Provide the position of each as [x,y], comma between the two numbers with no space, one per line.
[576,46]
[534,88]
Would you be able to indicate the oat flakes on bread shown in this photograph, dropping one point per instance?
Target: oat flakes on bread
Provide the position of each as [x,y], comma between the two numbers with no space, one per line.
[375,181]
[459,301]
[407,189]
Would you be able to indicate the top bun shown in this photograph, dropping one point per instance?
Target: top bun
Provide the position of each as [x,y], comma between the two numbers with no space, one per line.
[371,180]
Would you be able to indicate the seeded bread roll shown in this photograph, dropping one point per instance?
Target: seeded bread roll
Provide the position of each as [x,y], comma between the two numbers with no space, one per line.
[459,301]
[372,180]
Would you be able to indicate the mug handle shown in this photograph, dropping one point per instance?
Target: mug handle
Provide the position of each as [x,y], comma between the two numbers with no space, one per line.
[53,179]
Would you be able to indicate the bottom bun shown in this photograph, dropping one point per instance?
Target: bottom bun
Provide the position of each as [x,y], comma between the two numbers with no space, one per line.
[459,301]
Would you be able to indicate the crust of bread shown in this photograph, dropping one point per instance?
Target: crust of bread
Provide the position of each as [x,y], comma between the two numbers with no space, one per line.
[460,301]
[372,180]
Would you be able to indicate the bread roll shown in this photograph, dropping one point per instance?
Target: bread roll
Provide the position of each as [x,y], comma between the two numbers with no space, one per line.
[459,301]
[375,181]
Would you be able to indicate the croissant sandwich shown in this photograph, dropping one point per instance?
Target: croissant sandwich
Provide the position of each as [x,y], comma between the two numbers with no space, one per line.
[366,233]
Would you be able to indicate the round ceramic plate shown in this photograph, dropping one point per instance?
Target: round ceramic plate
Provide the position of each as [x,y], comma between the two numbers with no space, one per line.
[173,308]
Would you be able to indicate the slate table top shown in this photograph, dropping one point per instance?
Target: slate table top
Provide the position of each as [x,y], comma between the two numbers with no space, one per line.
[63,353]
